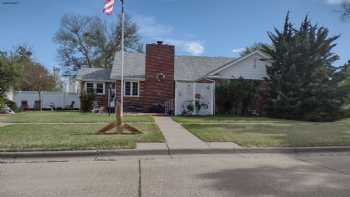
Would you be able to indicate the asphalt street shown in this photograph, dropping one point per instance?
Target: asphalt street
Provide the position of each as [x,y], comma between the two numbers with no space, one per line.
[321,174]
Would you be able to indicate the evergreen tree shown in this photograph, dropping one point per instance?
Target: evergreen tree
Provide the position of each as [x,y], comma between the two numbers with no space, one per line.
[344,84]
[302,82]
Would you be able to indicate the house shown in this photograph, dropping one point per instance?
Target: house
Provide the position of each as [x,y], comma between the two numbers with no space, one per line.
[69,82]
[159,80]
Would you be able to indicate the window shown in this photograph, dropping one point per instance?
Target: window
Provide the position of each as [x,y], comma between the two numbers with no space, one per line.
[97,88]
[100,88]
[131,88]
[89,87]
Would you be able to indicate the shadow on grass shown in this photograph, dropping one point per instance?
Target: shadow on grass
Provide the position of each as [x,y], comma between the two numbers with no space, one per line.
[274,181]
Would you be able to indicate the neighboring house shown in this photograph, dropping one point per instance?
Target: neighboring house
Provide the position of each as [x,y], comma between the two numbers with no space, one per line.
[70,84]
[158,79]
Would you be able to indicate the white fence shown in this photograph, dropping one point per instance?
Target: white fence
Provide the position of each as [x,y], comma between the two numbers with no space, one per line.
[58,99]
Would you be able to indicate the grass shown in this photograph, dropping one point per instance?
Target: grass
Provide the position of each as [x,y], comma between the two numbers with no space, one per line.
[265,132]
[67,117]
[60,136]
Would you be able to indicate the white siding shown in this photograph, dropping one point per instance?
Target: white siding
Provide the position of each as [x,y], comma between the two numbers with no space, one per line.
[185,94]
[250,68]
[59,99]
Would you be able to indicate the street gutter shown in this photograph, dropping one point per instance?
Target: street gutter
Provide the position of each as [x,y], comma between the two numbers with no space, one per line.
[135,152]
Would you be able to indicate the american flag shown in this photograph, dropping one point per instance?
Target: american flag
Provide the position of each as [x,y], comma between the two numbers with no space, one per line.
[108,9]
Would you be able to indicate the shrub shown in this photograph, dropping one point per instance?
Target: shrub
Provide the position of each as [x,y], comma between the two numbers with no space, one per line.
[236,97]
[86,101]
[2,103]
[12,105]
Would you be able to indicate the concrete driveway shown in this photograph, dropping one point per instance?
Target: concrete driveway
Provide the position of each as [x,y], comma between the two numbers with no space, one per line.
[191,175]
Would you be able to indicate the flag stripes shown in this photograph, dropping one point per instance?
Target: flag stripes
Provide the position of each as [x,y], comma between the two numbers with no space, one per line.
[108,9]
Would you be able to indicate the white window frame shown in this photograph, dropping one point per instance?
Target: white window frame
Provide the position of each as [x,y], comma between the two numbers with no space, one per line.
[131,88]
[104,88]
[95,87]
[86,87]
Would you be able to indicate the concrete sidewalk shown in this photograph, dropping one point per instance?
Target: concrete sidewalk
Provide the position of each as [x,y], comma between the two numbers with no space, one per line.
[178,137]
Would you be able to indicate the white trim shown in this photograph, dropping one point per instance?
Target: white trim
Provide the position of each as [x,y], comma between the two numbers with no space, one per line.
[213,101]
[104,88]
[175,100]
[86,88]
[213,73]
[94,87]
[194,99]
[95,80]
[131,88]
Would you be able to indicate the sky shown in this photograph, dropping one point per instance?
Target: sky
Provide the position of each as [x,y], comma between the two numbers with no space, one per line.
[195,27]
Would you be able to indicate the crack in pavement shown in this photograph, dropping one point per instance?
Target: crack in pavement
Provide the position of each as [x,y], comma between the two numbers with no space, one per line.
[140,180]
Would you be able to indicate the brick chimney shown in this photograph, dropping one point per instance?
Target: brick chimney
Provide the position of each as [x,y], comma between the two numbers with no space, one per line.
[159,70]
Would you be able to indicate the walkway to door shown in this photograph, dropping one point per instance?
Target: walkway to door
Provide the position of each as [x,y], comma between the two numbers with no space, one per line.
[177,137]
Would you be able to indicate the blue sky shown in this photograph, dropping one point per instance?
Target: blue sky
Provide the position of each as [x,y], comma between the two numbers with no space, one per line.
[196,27]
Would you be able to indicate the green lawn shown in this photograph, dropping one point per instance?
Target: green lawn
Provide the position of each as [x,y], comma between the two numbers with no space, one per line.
[19,137]
[265,132]
[67,117]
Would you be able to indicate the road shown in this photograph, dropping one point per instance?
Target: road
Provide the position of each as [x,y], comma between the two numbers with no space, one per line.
[322,174]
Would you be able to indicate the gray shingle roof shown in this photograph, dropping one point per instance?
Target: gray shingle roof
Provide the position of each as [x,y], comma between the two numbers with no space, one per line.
[192,68]
[134,66]
[187,68]
[94,74]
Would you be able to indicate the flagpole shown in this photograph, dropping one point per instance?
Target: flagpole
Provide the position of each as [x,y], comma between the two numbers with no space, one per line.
[122,62]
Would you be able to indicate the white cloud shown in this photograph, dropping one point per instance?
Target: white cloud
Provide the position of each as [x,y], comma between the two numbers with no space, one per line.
[238,50]
[189,46]
[194,47]
[335,2]
[150,29]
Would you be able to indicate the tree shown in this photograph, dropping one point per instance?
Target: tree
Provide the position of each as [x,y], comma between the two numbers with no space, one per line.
[34,76]
[345,81]
[302,83]
[8,72]
[90,41]
[37,78]
[251,49]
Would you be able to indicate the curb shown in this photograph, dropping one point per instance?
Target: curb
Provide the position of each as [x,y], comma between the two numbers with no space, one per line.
[134,152]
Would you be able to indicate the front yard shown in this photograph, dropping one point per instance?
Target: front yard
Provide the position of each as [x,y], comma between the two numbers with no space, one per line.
[70,131]
[265,132]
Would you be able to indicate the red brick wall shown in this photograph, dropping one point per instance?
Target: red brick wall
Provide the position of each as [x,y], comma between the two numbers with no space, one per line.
[132,104]
[159,63]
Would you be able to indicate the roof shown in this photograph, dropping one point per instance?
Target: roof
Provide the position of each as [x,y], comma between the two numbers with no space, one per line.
[187,68]
[233,63]
[94,74]
[192,68]
[134,66]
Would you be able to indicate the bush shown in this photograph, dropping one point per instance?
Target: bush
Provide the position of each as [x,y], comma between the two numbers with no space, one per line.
[86,101]
[12,105]
[346,111]
[2,103]
[236,97]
